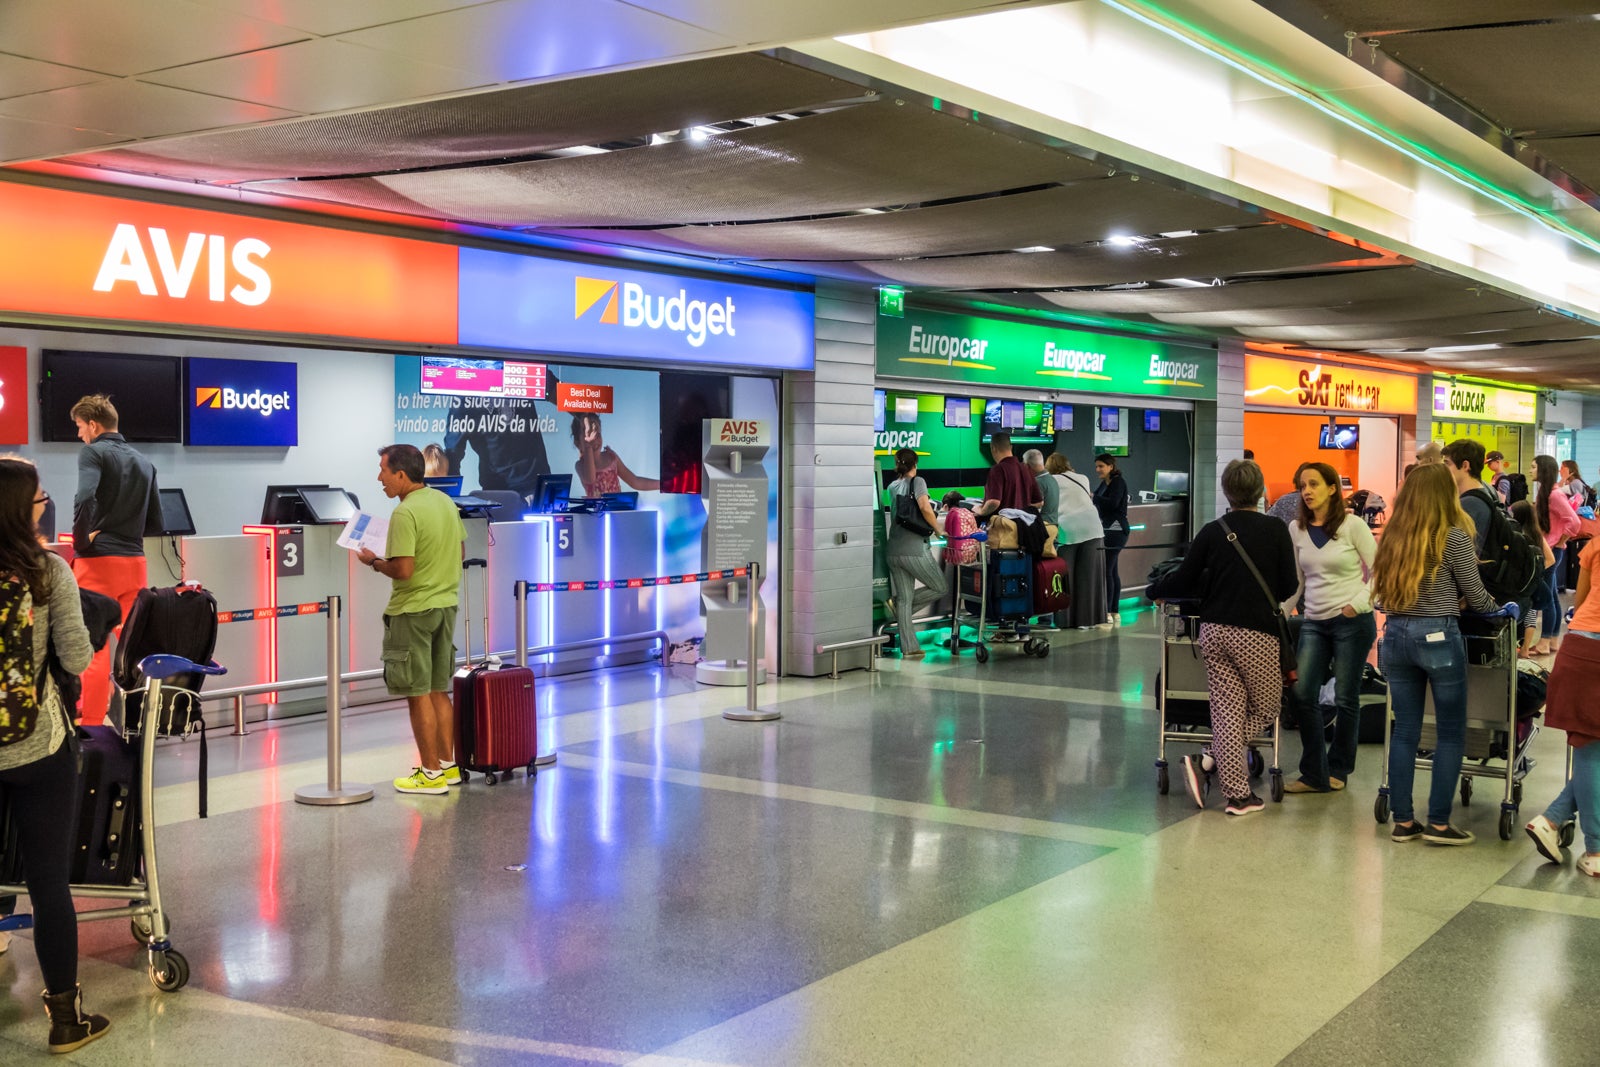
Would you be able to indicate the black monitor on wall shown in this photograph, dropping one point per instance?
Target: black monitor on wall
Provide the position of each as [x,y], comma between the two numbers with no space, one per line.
[147,392]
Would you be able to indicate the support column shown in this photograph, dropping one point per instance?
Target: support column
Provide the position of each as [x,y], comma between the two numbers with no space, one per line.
[1219,436]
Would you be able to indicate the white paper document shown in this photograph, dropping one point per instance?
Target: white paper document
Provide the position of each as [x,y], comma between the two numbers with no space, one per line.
[365,531]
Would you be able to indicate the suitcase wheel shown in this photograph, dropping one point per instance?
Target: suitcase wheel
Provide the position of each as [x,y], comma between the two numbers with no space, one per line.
[490,777]
[466,776]
[169,971]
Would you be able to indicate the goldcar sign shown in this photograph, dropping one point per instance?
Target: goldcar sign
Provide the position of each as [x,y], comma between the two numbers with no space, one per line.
[1483,403]
[979,352]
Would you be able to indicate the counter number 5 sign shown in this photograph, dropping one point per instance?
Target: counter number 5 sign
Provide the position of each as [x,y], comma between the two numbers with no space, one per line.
[13,396]
[561,534]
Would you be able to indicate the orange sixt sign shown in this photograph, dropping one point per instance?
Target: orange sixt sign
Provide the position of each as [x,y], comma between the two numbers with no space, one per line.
[1307,386]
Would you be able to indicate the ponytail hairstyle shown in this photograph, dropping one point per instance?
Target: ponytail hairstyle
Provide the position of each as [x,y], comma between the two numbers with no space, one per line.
[1412,546]
[1545,473]
[905,461]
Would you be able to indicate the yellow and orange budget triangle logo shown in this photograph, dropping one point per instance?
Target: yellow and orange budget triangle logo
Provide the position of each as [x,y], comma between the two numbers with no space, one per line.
[587,292]
[205,397]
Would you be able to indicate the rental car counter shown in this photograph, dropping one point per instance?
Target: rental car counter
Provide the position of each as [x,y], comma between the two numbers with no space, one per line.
[268,581]
[1156,532]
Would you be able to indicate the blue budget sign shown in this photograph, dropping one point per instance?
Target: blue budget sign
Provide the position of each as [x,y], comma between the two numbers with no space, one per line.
[547,305]
[241,402]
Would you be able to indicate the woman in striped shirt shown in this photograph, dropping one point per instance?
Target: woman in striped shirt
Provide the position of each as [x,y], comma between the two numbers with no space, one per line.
[1426,566]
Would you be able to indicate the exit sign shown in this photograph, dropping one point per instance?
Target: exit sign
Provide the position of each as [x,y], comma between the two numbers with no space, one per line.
[892,302]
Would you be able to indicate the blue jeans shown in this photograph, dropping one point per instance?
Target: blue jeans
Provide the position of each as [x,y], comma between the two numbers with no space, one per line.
[1581,797]
[1338,646]
[1550,621]
[1418,651]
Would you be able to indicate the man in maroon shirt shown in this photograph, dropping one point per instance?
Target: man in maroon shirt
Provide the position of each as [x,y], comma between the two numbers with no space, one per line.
[1009,484]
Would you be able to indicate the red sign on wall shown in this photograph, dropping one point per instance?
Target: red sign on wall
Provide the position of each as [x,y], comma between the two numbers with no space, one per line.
[575,398]
[13,396]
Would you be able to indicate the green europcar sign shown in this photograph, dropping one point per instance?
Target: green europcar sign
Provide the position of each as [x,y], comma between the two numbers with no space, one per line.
[977,351]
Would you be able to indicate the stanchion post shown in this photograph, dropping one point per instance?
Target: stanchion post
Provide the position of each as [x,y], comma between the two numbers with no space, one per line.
[336,791]
[752,711]
[238,717]
[520,595]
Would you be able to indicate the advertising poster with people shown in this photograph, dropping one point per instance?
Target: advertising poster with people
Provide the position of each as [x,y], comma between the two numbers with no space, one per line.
[502,424]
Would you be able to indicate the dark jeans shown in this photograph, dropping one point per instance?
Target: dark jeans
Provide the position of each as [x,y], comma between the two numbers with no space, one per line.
[1418,651]
[1336,647]
[43,796]
[1550,620]
[1115,541]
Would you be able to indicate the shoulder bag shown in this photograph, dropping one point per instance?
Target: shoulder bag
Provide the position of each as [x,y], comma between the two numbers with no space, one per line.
[908,513]
[1288,654]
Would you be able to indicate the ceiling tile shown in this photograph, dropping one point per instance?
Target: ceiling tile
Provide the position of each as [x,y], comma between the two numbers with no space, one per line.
[131,36]
[316,76]
[22,140]
[1374,16]
[134,109]
[1326,334]
[328,17]
[520,40]
[19,76]
[769,22]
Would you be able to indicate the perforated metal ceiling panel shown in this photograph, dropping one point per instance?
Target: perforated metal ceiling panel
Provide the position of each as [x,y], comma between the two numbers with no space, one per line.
[507,123]
[1324,334]
[1497,337]
[1325,290]
[1540,77]
[863,156]
[1071,214]
[1466,302]
[1376,16]
[1578,156]
[1222,253]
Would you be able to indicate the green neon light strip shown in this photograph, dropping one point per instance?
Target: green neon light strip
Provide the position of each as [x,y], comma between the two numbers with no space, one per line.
[1181,30]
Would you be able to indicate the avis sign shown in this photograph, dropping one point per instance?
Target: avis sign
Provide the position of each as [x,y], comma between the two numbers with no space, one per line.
[13,395]
[728,433]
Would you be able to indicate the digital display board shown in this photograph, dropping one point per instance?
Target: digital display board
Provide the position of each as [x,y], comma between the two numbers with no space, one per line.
[484,377]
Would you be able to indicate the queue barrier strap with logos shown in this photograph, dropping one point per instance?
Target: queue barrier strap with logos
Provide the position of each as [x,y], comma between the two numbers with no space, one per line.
[282,611]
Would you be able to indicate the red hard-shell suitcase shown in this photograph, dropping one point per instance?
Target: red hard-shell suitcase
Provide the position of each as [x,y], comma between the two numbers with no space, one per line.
[497,719]
[1051,590]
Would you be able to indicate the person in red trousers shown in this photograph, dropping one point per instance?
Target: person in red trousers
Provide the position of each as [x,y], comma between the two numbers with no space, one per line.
[116,497]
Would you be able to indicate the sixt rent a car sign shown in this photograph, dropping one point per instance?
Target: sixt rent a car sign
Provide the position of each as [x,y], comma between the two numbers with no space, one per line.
[548,305]
[241,402]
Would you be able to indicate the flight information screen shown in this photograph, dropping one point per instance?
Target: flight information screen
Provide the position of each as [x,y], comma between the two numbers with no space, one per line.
[483,377]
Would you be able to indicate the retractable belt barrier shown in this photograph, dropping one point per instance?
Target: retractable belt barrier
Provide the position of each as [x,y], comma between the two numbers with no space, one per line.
[636,583]
[282,611]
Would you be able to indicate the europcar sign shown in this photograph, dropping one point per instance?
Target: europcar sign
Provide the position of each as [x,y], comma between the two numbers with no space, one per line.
[978,351]
[241,402]
[550,305]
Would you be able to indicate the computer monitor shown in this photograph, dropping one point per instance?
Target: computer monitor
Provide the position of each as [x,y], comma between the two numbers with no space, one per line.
[1172,483]
[551,493]
[175,518]
[329,507]
[448,484]
[283,506]
[1345,483]
[1152,420]
[619,501]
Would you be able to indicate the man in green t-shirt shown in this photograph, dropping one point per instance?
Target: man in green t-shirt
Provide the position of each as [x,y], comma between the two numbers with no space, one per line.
[424,551]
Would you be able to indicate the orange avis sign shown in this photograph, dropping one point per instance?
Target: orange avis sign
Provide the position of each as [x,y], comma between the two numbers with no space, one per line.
[1312,386]
[88,256]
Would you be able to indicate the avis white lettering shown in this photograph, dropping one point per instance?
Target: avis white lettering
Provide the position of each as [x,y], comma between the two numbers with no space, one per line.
[128,260]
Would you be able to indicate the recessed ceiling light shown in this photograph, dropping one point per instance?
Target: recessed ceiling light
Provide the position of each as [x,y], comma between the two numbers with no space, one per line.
[699,134]
[1124,241]
[1034,248]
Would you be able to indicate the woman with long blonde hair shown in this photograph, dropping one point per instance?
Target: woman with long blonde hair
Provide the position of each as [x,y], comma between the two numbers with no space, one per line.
[1426,565]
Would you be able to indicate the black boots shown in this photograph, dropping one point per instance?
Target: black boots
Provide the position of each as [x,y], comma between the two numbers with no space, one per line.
[70,1028]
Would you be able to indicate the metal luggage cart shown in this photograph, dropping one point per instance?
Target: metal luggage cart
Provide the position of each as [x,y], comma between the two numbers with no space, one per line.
[1183,700]
[1492,750]
[968,593]
[148,918]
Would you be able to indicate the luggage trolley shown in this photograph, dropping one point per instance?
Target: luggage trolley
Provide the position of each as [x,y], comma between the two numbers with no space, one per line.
[977,584]
[1491,721]
[1183,700]
[148,918]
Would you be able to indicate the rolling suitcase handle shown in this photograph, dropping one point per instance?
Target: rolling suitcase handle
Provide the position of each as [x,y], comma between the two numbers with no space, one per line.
[466,603]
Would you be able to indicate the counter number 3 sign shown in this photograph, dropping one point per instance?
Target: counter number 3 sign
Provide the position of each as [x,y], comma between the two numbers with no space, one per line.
[291,553]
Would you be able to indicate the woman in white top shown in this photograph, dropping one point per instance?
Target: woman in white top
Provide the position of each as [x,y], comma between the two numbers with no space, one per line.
[1333,552]
[1082,543]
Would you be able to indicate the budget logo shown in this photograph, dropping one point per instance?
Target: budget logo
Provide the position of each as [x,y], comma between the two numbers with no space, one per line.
[260,401]
[587,292]
[208,398]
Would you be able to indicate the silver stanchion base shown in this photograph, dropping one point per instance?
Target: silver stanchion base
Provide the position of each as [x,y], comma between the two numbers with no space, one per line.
[707,673]
[349,793]
[746,715]
[544,760]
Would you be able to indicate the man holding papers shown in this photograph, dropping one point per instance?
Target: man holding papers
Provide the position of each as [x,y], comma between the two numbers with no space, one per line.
[422,557]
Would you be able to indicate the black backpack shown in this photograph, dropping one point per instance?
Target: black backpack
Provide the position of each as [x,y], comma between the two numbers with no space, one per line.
[1510,564]
[1517,488]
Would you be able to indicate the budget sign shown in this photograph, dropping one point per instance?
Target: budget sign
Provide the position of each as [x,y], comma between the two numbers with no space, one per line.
[241,402]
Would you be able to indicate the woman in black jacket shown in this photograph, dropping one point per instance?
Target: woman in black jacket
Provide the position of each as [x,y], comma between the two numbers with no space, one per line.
[1238,629]
[1111,500]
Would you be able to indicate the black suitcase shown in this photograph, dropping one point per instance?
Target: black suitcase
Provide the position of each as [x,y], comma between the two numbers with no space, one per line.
[108,842]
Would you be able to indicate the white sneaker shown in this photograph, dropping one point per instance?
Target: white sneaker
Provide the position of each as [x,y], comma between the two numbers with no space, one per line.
[1589,863]
[1546,838]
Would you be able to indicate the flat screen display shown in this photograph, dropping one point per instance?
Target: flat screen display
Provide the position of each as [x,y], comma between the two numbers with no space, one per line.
[1152,421]
[484,377]
[1022,419]
[1063,420]
[551,492]
[957,413]
[905,409]
[241,402]
[328,507]
[175,518]
[1172,483]
[147,392]
[283,506]
[687,400]
[880,400]
[1342,437]
[1110,420]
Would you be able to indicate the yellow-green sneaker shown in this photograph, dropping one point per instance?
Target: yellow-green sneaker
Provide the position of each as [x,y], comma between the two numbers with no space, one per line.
[420,781]
[452,775]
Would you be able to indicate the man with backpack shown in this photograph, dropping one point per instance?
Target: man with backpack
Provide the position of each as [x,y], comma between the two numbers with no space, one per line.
[1508,563]
[1497,478]
[111,510]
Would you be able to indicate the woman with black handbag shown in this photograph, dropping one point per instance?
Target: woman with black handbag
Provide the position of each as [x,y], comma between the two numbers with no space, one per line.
[1241,569]
[909,559]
